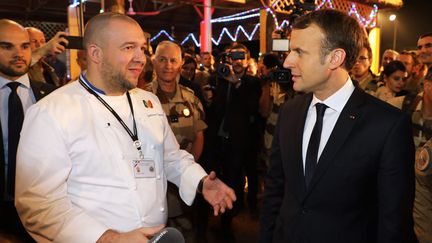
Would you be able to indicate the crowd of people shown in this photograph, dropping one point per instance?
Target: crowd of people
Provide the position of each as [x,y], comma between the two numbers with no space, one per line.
[140,140]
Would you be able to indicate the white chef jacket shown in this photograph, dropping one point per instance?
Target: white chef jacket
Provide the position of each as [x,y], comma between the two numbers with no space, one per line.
[74,167]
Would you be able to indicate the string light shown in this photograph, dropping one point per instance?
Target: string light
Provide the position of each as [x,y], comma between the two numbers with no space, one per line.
[160,33]
[191,36]
[324,2]
[236,35]
[285,22]
[370,22]
[237,16]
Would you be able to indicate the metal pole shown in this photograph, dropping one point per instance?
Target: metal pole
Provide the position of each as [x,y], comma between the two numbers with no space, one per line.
[394,34]
[206,28]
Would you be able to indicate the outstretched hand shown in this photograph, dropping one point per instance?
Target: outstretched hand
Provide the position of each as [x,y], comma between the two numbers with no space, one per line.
[219,195]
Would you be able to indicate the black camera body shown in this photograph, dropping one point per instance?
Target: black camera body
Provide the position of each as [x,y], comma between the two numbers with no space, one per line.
[75,42]
[222,68]
[281,75]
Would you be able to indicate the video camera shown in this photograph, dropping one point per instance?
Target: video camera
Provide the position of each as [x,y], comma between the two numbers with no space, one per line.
[222,68]
[281,75]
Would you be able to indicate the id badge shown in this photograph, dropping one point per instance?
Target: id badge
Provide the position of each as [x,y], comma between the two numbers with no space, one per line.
[144,168]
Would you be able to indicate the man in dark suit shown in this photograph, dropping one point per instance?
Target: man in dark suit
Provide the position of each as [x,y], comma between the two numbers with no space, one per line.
[342,161]
[17,93]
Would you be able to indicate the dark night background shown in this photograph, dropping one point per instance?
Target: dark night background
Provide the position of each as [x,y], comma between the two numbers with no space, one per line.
[414,18]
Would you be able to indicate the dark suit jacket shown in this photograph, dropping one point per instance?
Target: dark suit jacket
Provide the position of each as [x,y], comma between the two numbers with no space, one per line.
[363,187]
[40,90]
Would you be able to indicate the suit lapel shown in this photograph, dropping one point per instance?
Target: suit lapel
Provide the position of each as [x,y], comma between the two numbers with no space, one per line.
[345,123]
[39,90]
[297,145]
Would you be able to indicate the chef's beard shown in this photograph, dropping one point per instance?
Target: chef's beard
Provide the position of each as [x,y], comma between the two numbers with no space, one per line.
[114,79]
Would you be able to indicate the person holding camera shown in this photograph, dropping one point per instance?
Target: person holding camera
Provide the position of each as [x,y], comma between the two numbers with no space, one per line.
[276,89]
[233,120]
[42,70]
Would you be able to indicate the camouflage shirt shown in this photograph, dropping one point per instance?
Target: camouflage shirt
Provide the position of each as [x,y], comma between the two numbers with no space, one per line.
[422,211]
[184,112]
[422,127]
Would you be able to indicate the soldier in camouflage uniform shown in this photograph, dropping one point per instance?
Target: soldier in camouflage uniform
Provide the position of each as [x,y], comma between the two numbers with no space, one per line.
[420,108]
[423,197]
[184,113]
[185,116]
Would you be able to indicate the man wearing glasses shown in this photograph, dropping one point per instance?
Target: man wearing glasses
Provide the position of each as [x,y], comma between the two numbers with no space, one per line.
[361,71]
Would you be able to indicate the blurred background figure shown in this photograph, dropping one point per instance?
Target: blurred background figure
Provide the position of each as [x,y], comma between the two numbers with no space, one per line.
[424,45]
[273,95]
[43,69]
[189,68]
[206,62]
[187,76]
[252,67]
[388,56]
[82,60]
[394,75]
[361,71]
[147,74]
[412,65]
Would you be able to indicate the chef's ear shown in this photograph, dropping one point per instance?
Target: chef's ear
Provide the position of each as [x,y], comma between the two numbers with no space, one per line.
[94,53]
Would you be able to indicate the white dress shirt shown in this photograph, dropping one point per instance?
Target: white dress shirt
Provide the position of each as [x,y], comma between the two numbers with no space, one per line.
[75,175]
[335,104]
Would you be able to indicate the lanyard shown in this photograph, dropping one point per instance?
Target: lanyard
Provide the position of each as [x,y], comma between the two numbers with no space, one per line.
[134,135]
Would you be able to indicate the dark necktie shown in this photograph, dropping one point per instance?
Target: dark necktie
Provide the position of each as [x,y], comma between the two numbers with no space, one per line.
[15,120]
[314,142]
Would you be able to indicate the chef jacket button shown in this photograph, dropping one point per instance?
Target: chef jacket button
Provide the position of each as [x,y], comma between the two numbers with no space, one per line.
[152,146]
[142,219]
[162,209]
[158,177]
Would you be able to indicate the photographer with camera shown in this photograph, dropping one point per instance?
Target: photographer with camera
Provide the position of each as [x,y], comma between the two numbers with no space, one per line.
[276,89]
[233,126]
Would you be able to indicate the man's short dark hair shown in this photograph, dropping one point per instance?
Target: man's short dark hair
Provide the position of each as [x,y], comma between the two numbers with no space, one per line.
[413,54]
[340,31]
[426,35]
[189,59]
[368,48]
[271,60]
[392,67]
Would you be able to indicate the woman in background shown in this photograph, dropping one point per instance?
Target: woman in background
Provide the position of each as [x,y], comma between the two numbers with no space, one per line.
[394,75]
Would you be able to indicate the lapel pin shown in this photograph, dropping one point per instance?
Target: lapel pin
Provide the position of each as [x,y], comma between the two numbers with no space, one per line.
[352,117]
[42,92]
[145,104]
[150,104]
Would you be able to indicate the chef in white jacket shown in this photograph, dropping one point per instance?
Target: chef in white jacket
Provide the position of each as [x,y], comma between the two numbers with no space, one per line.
[95,156]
